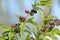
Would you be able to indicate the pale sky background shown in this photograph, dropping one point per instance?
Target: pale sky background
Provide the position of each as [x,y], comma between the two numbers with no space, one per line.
[13,7]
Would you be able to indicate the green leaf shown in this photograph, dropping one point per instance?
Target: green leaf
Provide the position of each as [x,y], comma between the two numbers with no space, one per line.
[54,37]
[50,17]
[34,33]
[2,38]
[43,3]
[27,31]
[42,37]
[5,33]
[22,28]
[41,12]
[49,2]
[28,27]
[14,38]
[49,38]
[56,31]
[10,34]
[5,28]
[31,21]
[28,37]
[38,33]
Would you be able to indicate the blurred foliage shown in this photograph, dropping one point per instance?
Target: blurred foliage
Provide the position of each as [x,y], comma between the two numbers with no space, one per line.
[46,31]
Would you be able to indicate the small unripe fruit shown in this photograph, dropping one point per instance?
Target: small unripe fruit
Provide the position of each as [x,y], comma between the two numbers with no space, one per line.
[44,29]
[27,11]
[22,19]
[14,25]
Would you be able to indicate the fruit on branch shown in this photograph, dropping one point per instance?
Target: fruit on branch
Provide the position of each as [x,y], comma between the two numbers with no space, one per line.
[56,22]
[51,23]
[15,25]
[16,28]
[37,34]
[32,12]
[32,38]
[44,29]
[22,18]
[27,11]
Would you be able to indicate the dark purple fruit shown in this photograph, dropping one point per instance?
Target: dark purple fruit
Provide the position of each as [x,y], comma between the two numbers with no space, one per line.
[26,11]
[14,25]
[34,11]
[32,38]
[44,29]
[51,23]
[22,19]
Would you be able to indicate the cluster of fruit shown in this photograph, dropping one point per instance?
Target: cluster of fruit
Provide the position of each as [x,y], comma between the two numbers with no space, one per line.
[51,24]
[23,19]
[31,12]
[16,28]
